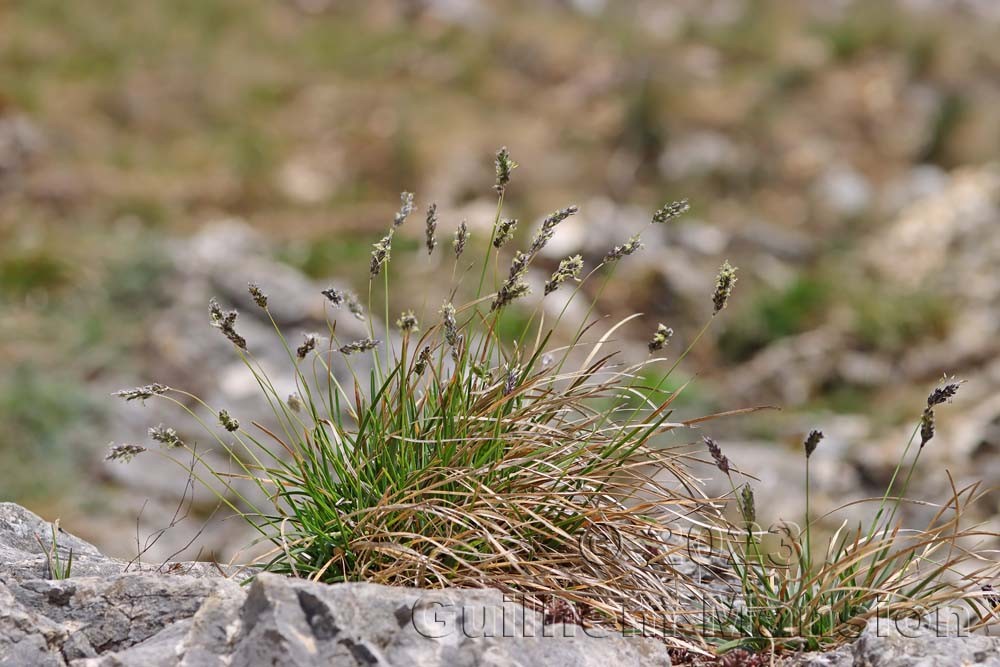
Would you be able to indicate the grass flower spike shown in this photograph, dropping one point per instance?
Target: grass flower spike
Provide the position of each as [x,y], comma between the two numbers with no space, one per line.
[943,394]
[308,345]
[381,254]
[569,268]
[721,462]
[228,421]
[405,209]
[504,166]
[362,345]
[165,436]
[504,233]
[812,441]
[430,228]
[723,287]
[660,338]
[258,296]
[124,453]
[926,426]
[548,228]
[461,238]
[408,323]
[671,211]
[142,393]
[334,296]
[619,251]
[225,322]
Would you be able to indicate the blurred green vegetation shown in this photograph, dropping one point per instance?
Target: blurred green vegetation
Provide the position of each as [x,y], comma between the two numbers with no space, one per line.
[46,419]
[774,314]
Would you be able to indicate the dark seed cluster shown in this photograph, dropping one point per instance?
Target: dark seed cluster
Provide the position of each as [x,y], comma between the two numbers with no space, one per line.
[258,296]
[431,227]
[461,238]
[308,345]
[225,321]
[362,345]
[124,453]
[721,462]
[812,441]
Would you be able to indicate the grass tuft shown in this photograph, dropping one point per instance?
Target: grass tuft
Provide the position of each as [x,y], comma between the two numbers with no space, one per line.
[482,446]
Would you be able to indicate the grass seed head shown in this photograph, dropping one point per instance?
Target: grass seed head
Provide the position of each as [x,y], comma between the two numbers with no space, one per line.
[450,324]
[747,505]
[660,338]
[258,296]
[228,422]
[568,268]
[510,382]
[461,238]
[405,209]
[225,321]
[408,323]
[723,286]
[431,227]
[308,345]
[627,248]
[504,166]
[504,233]
[812,441]
[294,402]
[423,359]
[123,453]
[721,462]
[362,345]
[514,287]
[142,393]
[165,436]
[381,254]
[943,394]
[926,426]
[509,291]
[334,296]
[670,211]
[548,227]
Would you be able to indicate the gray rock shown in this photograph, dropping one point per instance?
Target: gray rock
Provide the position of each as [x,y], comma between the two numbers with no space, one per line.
[143,619]
[114,618]
[909,644]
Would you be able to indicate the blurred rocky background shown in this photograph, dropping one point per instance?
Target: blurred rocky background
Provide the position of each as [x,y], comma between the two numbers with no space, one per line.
[155,154]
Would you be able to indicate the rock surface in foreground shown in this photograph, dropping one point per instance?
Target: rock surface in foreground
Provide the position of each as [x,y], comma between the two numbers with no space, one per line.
[105,616]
